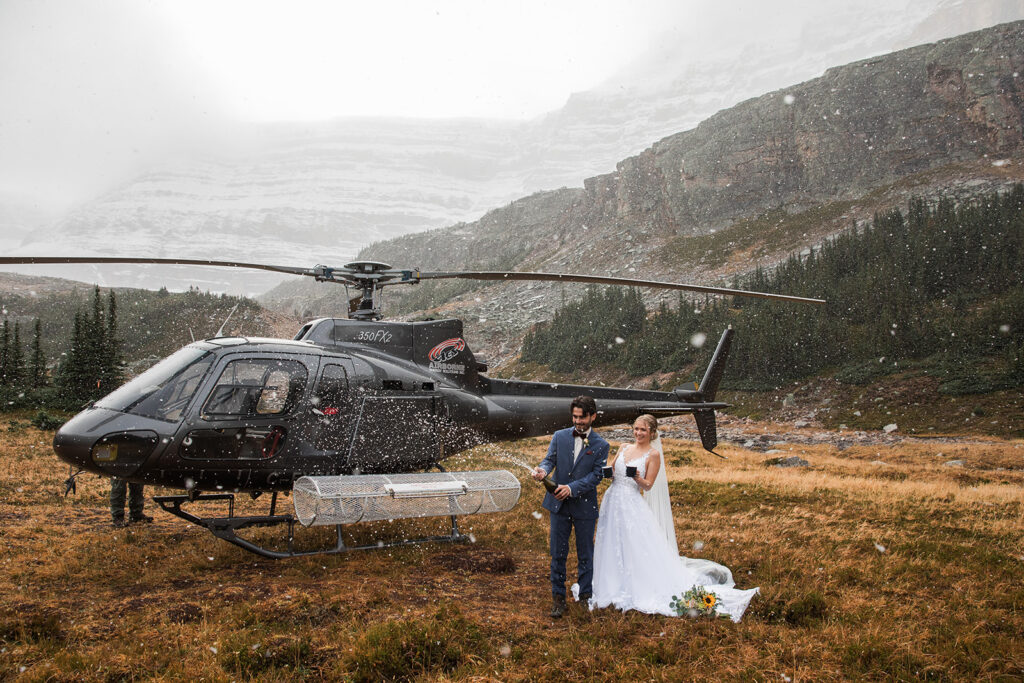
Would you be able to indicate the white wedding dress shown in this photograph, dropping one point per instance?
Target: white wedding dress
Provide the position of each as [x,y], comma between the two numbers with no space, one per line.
[634,567]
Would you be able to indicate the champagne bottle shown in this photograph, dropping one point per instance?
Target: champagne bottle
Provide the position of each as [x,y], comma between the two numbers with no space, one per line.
[548,484]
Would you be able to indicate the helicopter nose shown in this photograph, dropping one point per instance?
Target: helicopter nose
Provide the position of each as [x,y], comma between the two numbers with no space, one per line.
[105,442]
[74,447]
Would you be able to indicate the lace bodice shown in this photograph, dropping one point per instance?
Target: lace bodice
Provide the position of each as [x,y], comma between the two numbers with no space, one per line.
[619,477]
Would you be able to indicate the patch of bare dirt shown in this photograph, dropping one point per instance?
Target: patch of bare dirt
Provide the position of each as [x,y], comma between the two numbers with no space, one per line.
[482,561]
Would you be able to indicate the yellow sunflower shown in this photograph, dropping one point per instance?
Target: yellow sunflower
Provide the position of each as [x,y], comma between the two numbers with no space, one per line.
[709,601]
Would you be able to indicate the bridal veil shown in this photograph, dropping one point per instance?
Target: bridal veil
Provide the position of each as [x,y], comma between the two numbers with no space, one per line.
[658,500]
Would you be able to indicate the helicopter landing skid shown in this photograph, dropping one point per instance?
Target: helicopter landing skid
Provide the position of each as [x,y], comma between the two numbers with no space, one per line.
[224,528]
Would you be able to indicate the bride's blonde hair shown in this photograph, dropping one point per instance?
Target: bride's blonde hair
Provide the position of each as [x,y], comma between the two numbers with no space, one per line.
[651,422]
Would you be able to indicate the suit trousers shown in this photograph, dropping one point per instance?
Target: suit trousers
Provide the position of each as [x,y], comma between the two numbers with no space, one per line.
[561,527]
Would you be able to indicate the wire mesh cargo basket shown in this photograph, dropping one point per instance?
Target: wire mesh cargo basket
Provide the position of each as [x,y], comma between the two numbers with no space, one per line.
[374,497]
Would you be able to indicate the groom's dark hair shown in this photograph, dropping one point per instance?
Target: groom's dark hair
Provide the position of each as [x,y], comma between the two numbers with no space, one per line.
[584,403]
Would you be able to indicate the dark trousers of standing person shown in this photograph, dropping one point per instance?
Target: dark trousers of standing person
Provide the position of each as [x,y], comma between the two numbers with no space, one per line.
[561,527]
[118,488]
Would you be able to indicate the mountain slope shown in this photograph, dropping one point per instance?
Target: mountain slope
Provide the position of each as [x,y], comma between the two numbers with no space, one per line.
[939,118]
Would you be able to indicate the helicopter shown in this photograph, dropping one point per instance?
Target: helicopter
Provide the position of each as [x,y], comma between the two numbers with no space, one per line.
[344,397]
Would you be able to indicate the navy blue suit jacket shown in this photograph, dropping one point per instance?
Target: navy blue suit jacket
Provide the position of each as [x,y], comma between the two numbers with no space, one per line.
[581,478]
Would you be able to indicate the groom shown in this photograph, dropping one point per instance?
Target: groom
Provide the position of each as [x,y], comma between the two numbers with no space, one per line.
[577,455]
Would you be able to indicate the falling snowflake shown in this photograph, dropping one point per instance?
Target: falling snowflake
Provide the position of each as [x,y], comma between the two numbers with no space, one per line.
[879,547]
[698,339]
[789,99]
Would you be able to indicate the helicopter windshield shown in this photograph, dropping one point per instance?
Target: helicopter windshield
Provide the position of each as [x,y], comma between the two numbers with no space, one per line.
[163,391]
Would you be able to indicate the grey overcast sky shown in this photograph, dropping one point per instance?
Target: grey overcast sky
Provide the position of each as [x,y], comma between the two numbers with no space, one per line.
[92,90]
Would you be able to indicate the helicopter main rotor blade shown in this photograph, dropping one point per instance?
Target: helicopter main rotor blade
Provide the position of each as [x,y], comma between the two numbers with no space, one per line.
[64,260]
[604,280]
[368,274]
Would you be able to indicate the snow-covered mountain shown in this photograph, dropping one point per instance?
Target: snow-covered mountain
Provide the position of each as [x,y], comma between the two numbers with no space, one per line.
[317,193]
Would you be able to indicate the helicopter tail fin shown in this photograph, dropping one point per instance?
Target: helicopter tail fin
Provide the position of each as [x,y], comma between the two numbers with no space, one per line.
[706,425]
[707,429]
[709,385]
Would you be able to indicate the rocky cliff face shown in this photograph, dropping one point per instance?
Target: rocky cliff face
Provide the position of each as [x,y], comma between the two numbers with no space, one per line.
[945,115]
[858,127]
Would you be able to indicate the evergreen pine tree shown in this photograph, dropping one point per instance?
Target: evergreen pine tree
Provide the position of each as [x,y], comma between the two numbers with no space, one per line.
[5,350]
[16,359]
[72,375]
[113,361]
[94,347]
[37,364]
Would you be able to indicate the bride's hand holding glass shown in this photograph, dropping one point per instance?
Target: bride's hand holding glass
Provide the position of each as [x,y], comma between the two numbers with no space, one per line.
[642,434]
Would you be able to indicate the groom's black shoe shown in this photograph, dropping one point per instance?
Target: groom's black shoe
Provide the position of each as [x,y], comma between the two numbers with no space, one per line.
[584,602]
[558,608]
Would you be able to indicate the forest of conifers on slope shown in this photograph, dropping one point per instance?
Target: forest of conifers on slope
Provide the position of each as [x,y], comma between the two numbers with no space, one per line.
[936,288]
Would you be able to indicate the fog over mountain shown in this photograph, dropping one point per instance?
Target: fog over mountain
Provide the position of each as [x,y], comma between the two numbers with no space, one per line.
[307,193]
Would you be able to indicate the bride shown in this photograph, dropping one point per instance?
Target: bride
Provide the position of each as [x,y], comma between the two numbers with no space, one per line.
[635,567]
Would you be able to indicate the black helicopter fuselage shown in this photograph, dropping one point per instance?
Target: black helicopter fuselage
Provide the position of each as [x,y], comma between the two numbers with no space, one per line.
[345,396]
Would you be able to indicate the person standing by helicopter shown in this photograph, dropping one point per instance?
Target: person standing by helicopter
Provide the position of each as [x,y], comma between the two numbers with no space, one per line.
[136,502]
[577,456]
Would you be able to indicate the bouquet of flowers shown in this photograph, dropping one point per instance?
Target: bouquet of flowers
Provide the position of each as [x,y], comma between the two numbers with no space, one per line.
[696,602]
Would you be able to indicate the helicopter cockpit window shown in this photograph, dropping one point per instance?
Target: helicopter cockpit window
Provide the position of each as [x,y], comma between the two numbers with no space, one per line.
[163,391]
[255,387]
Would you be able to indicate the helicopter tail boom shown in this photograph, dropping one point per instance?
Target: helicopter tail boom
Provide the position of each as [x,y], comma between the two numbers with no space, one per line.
[517,409]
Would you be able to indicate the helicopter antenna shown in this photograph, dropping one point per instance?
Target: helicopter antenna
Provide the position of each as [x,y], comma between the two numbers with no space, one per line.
[220,332]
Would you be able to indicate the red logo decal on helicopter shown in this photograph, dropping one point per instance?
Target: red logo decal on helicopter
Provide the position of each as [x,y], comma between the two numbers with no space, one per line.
[446,350]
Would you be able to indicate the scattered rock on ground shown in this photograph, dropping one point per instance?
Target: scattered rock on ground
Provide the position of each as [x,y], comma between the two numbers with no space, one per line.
[791,461]
[761,442]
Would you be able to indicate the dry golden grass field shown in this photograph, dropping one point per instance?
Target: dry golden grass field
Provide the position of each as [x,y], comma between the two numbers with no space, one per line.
[877,563]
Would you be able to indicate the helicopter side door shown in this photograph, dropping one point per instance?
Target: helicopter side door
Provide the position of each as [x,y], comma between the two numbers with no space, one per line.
[248,426]
[334,408]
